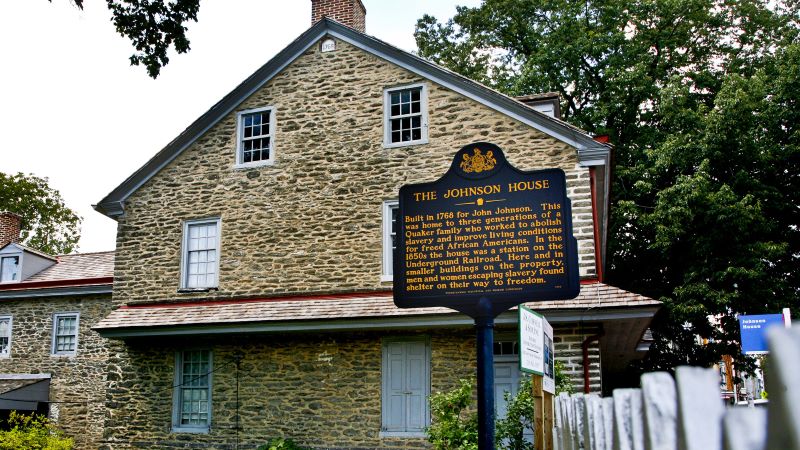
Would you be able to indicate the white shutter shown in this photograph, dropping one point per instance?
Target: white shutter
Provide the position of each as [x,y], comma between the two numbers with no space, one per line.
[406,386]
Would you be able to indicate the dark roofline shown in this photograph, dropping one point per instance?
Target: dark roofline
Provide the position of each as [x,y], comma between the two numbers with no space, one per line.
[590,152]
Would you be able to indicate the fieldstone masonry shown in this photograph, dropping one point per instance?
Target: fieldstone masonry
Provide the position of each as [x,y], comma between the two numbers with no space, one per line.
[288,227]
[77,384]
[309,223]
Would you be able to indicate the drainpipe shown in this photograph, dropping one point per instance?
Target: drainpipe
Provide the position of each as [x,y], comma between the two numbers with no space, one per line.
[585,347]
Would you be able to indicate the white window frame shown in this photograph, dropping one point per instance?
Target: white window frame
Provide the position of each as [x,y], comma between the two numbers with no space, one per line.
[385,382]
[10,319]
[177,427]
[387,128]
[19,266]
[386,238]
[56,317]
[185,252]
[240,135]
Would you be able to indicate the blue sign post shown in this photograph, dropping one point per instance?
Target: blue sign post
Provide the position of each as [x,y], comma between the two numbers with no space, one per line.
[753,331]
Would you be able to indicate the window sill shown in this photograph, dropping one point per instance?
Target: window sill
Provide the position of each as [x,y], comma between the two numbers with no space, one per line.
[194,430]
[196,290]
[404,144]
[239,166]
[403,434]
[387,278]
[63,355]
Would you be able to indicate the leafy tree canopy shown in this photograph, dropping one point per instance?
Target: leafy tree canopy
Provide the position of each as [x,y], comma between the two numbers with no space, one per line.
[700,99]
[48,224]
[153,26]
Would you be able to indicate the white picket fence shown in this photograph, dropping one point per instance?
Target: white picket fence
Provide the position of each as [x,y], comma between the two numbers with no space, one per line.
[687,412]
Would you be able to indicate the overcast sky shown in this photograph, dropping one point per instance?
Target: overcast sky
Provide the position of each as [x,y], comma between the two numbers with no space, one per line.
[73,110]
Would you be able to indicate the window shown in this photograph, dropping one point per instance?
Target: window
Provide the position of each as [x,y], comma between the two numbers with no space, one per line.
[5,336]
[201,254]
[390,209]
[255,137]
[406,116]
[65,334]
[9,269]
[192,402]
[405,388]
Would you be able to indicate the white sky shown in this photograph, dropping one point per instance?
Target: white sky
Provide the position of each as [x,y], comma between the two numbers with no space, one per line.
[73,110]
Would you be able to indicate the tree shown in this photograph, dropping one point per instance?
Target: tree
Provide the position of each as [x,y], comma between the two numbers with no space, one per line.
[48,224]
[153,26]
[699,98]
[32,432]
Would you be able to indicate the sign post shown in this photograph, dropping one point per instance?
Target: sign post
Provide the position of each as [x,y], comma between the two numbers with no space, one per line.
[537,358]
[481,239]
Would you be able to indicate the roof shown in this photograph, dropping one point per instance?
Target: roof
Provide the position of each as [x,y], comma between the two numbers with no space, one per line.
[80,265]
[590,152]
[81,273]
[25,248]
[260,314]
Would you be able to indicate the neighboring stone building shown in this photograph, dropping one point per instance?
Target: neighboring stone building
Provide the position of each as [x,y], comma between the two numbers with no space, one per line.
[254,254]
[51,361]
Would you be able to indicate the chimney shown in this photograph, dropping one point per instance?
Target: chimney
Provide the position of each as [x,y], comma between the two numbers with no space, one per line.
[347,12]
[10,224]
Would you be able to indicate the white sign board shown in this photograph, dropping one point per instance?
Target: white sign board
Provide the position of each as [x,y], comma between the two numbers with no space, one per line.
[536,347]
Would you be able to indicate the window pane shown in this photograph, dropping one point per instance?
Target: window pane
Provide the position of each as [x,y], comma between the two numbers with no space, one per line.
[9,269]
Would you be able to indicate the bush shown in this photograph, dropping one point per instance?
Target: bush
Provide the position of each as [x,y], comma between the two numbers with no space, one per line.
[455,423]
[281,444]
[33,432]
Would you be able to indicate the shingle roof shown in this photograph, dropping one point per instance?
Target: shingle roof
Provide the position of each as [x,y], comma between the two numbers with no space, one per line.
[353,306]
[81,265]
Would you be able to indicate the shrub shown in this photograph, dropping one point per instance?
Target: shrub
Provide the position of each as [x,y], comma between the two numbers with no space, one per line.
[281,444]
[33,432]
[455,423]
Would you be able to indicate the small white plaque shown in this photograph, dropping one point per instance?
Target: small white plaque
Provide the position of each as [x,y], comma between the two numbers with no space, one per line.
[328,45]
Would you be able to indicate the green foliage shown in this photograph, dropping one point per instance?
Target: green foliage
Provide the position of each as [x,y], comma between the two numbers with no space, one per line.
[454,424]
[33,432]
[510,431]
[153,26]
[563,381]
[700,99]
[48,224]
[281,444]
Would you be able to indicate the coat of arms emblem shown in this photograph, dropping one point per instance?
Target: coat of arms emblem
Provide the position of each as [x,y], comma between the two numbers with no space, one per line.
[478,162]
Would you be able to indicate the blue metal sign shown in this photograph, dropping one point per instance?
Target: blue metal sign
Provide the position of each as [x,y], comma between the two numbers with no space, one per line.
[753,330]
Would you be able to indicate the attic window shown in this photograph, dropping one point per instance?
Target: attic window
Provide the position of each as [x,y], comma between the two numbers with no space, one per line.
[9,269]
[405,116]
[255,146]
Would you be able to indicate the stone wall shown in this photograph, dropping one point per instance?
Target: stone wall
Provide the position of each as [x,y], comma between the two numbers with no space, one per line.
[321,390]
[77,385]
[312,221]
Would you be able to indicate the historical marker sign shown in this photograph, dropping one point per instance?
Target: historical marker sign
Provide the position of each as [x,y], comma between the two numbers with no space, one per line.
[485,230]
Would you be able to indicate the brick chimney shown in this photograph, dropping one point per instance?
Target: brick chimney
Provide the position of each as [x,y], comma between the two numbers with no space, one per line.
[10,224]
[347,12]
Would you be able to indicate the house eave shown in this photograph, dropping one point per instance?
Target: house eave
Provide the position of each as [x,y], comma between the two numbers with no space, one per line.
[589,151]
[454,320]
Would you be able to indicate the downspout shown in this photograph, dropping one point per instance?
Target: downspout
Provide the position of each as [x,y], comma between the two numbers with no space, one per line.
[585,348]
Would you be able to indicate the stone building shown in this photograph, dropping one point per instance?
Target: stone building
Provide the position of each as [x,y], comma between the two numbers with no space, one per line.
[51,361]
[253,271]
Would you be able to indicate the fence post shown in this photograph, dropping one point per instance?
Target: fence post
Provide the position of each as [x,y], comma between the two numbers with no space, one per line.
[660,411]
[783,427]
[745,429]
[700,409]
[628,433]
[608,422]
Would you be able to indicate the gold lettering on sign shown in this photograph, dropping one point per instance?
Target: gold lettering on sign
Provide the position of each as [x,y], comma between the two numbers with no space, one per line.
[487,248]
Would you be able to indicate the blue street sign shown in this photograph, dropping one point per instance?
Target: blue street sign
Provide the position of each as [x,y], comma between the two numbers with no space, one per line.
[753,330]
